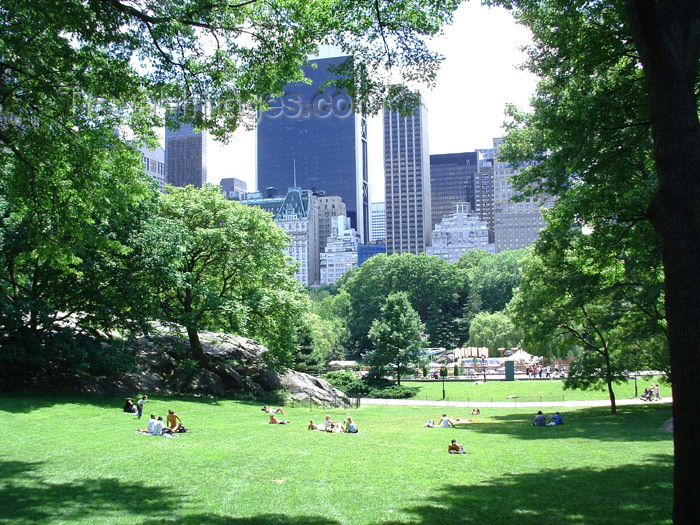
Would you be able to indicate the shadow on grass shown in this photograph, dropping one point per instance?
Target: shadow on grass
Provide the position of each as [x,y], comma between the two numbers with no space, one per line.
[263,519]
[634,494]
[24,404]
[28,499]
[631,423]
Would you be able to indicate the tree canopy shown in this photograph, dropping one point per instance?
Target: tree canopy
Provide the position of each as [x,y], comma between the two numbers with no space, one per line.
[218,264]
[398,339]
[616,127]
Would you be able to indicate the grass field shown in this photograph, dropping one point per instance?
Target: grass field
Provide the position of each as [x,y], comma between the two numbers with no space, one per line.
[78,460]
[526,390]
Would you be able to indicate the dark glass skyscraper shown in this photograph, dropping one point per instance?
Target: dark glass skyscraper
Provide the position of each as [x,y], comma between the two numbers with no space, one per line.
[185,156]
[451,181]
[312,132]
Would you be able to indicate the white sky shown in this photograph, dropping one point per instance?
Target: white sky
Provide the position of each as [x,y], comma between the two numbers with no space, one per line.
[478,77]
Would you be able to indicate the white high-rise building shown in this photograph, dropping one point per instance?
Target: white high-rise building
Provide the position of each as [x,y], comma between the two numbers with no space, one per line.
[407,181]
[340,253]
[458,233]
[297,214]
[377,228]
[154,164]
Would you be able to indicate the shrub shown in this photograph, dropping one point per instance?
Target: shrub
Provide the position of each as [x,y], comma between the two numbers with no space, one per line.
[347,382]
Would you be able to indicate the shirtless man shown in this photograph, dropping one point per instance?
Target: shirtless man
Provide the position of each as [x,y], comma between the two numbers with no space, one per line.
[455,448]
[275,421]
[173,419]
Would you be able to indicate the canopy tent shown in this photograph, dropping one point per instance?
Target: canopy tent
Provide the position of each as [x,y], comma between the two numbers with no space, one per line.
[521,356]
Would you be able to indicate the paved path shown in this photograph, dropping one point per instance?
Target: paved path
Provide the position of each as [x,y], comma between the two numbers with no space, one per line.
[509,404]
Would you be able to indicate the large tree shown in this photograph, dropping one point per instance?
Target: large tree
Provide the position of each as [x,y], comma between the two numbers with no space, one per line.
[651,49]
[398,339]
[437,290]
[493,331]
[71,74]
[217,264]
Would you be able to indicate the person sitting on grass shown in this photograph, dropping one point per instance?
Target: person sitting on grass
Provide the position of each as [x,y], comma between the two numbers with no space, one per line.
[129,406]
[149,427]
[328,424]
[556,420]
[158,426]
[540,420]
[455,448]
[278,410]
[275,421]
[312,425]
[350,426]
[445,422]
[476,412]
[173,419]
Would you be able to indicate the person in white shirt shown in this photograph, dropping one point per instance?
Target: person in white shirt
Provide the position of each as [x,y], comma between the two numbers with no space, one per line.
[158,426]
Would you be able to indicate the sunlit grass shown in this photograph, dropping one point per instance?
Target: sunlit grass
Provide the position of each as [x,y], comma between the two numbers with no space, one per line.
[77,460]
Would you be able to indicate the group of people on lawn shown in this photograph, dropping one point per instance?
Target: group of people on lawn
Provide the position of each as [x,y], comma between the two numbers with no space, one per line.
[156,426]
[348,426]
[541,420]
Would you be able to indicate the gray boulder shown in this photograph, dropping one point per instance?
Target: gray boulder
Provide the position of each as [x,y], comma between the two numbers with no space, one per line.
[305,388]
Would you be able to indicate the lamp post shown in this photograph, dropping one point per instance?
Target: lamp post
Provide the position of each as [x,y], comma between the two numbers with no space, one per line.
[443,373]
[635,384]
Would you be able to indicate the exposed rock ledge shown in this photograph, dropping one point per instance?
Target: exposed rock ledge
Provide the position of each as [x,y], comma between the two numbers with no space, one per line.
[237,367]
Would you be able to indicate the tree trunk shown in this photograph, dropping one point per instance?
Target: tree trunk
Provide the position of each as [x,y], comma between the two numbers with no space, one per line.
[667,35]
[196,345]
[608,380]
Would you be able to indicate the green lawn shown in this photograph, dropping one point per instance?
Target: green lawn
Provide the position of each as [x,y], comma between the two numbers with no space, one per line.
[77,460]
[526,390]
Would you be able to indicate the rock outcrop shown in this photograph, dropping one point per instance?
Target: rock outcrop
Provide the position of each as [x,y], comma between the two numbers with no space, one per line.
[236,368]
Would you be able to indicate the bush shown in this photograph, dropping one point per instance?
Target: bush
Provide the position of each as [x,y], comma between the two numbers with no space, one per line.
[347,382]
[370,386]
[393,392]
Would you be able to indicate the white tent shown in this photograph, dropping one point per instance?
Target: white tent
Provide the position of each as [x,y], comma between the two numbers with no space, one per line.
[521,356]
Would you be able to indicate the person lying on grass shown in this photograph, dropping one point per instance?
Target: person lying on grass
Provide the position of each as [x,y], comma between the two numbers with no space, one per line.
[275,421]
[278,410]
[455,448]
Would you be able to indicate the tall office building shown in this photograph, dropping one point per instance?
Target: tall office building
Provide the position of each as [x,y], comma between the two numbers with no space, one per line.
[407,181]
[340,253]
[328,209]
[312,131]
[154,164]
[296,213]
[185,156]
[377,227]
[451,181]
[483,193]
[516,224]
[233,188]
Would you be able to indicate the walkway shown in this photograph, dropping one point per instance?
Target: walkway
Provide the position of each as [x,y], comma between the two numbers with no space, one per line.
[509,404]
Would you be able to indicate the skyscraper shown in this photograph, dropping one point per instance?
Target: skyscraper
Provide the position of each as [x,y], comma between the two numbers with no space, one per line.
[377,229]
[516,224]
[313,132]
[185,156]
[407,181]
[451,181]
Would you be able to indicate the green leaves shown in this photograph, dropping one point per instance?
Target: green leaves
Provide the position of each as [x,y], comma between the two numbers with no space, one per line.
[397,337]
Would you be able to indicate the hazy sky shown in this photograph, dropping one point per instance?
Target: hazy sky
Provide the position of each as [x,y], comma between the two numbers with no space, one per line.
[478,77]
